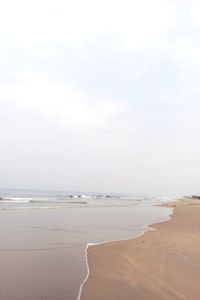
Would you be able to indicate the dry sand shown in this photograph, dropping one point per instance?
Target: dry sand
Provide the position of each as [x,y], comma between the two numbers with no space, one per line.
[161,264]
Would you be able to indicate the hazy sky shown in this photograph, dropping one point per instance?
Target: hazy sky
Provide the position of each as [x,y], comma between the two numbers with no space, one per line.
[100,95]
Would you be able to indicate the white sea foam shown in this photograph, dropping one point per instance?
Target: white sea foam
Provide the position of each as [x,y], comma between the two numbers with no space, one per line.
[15,200]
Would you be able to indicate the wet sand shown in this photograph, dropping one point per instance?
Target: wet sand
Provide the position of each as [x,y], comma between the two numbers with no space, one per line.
[161,264]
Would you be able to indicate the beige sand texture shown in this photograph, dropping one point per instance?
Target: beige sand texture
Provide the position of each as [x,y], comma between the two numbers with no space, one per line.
[161,264]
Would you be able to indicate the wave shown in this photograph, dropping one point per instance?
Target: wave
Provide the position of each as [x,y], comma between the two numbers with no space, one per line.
[14,200]
[64,202]
[39,200]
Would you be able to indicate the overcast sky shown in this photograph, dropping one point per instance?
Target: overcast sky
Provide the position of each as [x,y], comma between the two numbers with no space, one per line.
[100,95]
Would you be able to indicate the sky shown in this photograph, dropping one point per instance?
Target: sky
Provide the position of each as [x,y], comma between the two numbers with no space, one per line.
[100,96]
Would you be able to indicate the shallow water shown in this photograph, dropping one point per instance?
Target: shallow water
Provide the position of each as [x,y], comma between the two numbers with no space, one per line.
[42,252]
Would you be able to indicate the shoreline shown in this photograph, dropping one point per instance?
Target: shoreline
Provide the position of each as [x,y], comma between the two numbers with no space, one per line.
[85,291]
[146,227]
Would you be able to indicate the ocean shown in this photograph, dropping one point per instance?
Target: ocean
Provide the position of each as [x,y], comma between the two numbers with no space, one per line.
[45,234]
[42,199]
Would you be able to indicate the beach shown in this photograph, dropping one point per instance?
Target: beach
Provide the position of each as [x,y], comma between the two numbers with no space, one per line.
[163,263]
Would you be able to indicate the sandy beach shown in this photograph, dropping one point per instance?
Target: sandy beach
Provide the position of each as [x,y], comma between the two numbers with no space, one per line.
[161,264]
